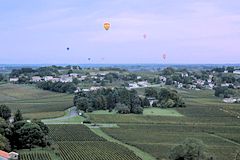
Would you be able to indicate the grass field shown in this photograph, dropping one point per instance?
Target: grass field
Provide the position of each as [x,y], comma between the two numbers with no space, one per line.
[33,102]
[77,142]
[161,112]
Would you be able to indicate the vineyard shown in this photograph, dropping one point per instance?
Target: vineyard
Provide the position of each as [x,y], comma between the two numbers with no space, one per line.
[72,132]
[77,142]
[35,156]
[94,150]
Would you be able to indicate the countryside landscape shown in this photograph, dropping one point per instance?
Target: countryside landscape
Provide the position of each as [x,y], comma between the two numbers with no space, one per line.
[105,125]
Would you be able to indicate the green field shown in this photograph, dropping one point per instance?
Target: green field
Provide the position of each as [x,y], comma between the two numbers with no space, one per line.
[161,112]
[77,142]
[203,118]
[33,102]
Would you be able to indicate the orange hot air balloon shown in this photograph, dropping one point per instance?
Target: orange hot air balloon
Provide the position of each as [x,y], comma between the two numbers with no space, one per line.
[107,26]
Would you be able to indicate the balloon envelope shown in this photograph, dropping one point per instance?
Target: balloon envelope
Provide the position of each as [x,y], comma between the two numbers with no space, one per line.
[106,26]
[68,48]
[164,56]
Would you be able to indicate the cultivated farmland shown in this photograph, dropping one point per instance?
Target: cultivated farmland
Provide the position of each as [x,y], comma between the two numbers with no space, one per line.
[33,102]
[77,142]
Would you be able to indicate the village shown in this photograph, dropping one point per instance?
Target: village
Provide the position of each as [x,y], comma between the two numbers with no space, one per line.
[95,79]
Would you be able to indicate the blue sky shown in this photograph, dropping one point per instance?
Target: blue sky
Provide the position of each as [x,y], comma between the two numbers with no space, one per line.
[187,31]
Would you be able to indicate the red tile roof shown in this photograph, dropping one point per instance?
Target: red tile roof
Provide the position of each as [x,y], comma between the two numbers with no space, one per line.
[4,154]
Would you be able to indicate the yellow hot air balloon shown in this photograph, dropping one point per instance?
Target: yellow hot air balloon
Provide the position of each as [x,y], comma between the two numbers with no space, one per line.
[106,26]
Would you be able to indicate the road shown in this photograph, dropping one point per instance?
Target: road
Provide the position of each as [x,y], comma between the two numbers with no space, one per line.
[69,113]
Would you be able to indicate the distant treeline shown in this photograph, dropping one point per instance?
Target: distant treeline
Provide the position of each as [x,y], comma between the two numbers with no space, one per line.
[57,86]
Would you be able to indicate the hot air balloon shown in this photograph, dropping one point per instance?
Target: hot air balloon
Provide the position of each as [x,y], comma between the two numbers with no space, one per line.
[89,59]
[68,48]
[144,36]
[106,26]
[164,56]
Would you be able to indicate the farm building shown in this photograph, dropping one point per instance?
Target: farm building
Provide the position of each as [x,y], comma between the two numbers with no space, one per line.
[8,156]
[36,79]
[13,79]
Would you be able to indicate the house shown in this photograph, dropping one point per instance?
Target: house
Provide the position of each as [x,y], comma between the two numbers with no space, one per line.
[74,75]
[180,85]
[77,90]
[48,78]
[224,85]
[184,74]
[143,84]
[152,100]
[66,79]
[211,85]
[225,71]
[192,86]
[55,80]
[94,88]
[236,72]
[13,79]
[139,77]
[201,82]
[133,85]
[36,79]
[82,78]
[85,90]
[163,79]
[229,100]
[8,156]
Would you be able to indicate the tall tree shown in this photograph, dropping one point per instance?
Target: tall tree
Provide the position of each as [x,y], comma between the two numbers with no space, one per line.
[5,112]
[18,116]
[190,149]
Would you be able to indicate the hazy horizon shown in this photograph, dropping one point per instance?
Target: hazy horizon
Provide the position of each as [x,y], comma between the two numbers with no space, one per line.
[188,32]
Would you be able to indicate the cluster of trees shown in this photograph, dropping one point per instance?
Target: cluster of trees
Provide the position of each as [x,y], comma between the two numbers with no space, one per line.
[122,100]
[190,149]
[60,87]
[230,69]
[21,134]
[223,92]
[2,77]
[42,71]
[167,98]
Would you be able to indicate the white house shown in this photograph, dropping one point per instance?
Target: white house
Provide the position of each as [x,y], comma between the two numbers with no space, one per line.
[55,80]
[74,75]
[66,79]
[36,79]
[133,85]
[180,85]
[13,79]
[224,85]
[8,156]
[229,100]
[236,71]
[163,79]
[48,78]
[85,90]
[139,77]
[143,84]
[93,88]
